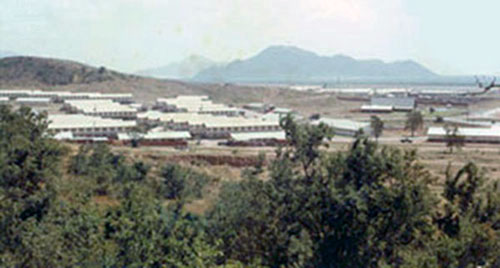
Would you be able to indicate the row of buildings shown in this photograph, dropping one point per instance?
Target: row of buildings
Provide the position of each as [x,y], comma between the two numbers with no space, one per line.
[89,126]
[100,117]
[468,134]
[209,125]
[389,104]
[180,118]
[195,104]
[345,127]
[105,108]
[59,96]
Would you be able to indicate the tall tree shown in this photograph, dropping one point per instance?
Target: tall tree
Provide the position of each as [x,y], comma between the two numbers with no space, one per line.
[357,209]
[453,138]
[377,126]
[147,234]
[29,161]
[414,121]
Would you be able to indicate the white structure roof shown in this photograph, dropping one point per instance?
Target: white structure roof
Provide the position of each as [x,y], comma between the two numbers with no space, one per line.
[476,132]
[342,124]
[64,136]
[196,104]
[247,136]
[271,117]
[37,100]
[58,121]
[63,94]
[376,108]
[282,110]
[464,121]
[237,122]
[4,99]
[396,102]
[158,135]
[151,115]
[208,120]
[99,106]
[15,91]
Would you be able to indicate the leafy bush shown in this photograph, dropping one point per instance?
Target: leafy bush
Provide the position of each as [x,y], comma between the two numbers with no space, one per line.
[178,182]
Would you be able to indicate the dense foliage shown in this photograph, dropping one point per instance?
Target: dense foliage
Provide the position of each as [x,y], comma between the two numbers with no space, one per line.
[307,206]
[414,121]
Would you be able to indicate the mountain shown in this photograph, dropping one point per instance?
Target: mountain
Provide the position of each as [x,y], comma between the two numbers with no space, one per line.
[64,75]
[185,69]
[292,64]
[36,71]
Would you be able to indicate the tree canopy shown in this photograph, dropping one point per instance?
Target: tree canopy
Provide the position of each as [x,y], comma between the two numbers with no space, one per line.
[414,121]
[306,206]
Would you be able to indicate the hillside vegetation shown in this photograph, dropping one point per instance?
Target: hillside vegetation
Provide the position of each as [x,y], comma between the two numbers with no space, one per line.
[55,74]
[371,206]
[45,71]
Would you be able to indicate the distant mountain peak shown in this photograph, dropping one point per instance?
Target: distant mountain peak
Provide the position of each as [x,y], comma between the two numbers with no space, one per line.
[282,49]
[292,64]
[184,69]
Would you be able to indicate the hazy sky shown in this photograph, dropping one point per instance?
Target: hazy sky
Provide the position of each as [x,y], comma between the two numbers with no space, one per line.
[448,36]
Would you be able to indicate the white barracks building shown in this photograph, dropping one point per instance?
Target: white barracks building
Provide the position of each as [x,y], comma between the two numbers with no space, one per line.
[88,126]
[210,126]
[103,108]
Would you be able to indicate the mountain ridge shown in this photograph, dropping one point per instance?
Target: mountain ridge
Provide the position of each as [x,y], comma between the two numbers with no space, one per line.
[293,64]
[184,69]
[54,74]
[35,71]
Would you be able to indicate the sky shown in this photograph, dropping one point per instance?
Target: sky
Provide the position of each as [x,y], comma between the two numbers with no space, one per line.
[451,37]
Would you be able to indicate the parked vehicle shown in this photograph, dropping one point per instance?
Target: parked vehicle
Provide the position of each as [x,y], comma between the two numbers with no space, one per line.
[406,140]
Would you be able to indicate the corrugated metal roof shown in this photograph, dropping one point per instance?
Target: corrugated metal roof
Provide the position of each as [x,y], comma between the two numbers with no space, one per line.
[196,104]
[33,100]
[464,121]
[99,106]
[247,136]
[37,92]
[257,105]
[342,124]
[477,132]
[157,135]
[377,107]
[408,103]
[64,136]
[168,135]
[59,121]
[208,120]
[282,111]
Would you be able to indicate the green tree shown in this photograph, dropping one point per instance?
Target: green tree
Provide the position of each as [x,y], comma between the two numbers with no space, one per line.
[453,138]
[148,234]
[178,182]
[469,220]
[414,121]
[29,161]
[69,235]
[98,163]
[377,126]
[321,209]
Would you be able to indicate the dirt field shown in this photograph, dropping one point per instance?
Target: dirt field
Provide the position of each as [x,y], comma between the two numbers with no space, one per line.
[435,156]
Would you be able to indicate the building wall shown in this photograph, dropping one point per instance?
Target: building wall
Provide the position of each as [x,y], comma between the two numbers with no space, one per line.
[468,139]
[94,132]
[351,132]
